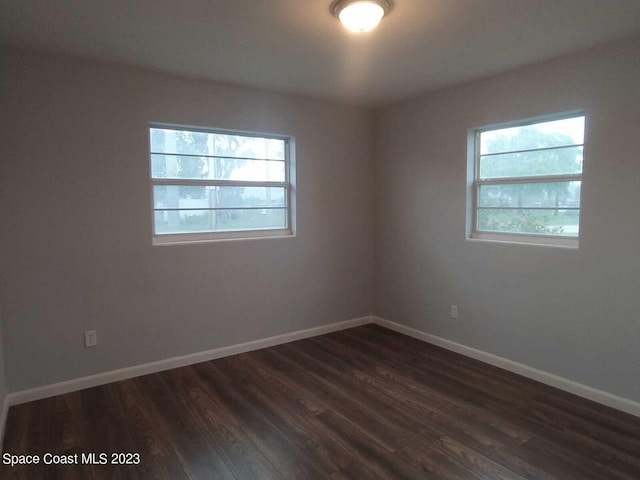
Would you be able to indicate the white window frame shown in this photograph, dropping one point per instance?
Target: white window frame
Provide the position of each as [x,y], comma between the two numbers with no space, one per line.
[474,183]
[200,237]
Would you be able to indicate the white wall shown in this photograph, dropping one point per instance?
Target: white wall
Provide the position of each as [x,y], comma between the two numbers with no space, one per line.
[75,237]
[573,313]
[75,245]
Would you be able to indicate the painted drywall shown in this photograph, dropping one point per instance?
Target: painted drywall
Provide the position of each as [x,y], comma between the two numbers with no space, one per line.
[75,246]
[573,313]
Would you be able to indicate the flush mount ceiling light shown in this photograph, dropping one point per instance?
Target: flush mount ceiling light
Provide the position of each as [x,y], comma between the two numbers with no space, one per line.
[360,15]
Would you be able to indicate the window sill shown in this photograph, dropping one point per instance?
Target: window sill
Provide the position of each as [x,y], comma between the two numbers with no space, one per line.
[530,240]
[208,237]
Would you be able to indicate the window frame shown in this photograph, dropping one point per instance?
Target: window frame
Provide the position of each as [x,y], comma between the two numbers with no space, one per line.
[475,182]
[248,234]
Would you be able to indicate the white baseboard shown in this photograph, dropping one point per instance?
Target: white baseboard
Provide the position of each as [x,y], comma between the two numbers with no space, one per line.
[3,420]
[45,391]
[590,393]
[610,400]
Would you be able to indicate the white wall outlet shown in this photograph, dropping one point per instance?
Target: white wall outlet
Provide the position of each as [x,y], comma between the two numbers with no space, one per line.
[90,338]
[454,312]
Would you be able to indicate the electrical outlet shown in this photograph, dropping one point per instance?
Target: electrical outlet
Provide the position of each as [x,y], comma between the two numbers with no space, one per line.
[454,312]
[90,338]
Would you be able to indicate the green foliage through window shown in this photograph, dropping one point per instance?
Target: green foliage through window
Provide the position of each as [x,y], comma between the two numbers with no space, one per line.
[207,181]
[529,177]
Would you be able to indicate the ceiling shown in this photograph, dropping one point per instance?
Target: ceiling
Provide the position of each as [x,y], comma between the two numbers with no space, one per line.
[296,46]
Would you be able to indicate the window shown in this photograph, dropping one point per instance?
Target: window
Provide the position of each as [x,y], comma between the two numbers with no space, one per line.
[209,185]
[527,178]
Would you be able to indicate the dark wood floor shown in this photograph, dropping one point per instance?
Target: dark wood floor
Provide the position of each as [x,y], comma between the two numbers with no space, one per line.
[365,403]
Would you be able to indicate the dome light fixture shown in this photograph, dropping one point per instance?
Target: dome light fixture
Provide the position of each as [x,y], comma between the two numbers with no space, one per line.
[360,15]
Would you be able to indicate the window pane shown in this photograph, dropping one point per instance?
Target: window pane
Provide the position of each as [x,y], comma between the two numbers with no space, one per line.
[215,168]
[555,133]
[531,195]
[249,147]
[166,140]
[197,221]
[559,161]
[202,197]
[540,222]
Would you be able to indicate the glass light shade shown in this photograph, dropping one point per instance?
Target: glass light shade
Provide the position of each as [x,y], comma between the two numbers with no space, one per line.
[361,16]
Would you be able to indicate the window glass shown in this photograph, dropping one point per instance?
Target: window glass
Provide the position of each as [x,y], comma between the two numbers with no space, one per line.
[212,182]
[528,179]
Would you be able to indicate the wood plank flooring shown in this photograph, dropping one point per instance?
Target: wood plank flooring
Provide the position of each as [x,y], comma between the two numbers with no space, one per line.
[364,403]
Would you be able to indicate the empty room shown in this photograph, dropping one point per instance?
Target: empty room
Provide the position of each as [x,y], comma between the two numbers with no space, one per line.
[320,239]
